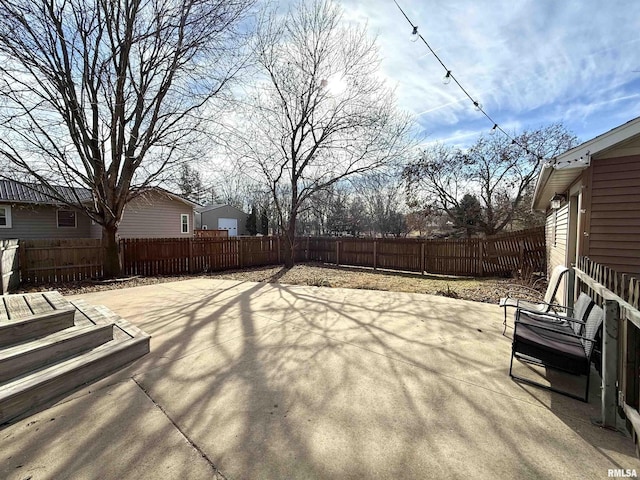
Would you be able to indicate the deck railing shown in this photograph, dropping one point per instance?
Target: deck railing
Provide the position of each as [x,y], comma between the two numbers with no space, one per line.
[619,294]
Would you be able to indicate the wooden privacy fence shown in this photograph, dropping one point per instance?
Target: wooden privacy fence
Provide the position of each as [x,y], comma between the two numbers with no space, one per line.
[172,256]
[522,251]
[62,260]
[210,233]
[9,273]
[51,261]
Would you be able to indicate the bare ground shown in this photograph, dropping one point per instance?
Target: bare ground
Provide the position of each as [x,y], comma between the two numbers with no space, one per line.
[322,275]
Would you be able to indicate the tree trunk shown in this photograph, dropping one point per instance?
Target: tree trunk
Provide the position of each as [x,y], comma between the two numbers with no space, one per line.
[111,256]
[290,256]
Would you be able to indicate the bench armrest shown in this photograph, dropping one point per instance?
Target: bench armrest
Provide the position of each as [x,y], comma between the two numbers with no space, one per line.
[540,316]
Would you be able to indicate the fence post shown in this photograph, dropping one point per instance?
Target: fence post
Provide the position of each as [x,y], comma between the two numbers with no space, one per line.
[520,256]
[240,259]
[422,258]
[610,363]
[191,266]
[375,254]
[22,251]
[279,259]
[481,257]
[337,252]
[306,254]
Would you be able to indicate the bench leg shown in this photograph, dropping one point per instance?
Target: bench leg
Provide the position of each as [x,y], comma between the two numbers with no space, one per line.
[504,323]
[516,378]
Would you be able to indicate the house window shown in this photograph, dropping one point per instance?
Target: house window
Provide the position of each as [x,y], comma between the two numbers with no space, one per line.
[66,219]
[184,223]
[5,216]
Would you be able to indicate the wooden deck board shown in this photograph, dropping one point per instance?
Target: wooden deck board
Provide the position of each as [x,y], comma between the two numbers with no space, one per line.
[17,307]
[56,300]
[38,303]
[4,317]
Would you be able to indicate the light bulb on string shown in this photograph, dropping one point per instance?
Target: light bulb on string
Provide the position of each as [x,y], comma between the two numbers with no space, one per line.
[447,78]
[477,106]
[493,130]
[414,34]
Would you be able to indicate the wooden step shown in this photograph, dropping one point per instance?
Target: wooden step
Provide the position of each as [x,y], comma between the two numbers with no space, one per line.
[44,386]
[27,356]
[35,325]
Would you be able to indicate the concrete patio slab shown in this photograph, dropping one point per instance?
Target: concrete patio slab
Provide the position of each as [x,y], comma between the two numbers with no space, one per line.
[277,381]
[116,432]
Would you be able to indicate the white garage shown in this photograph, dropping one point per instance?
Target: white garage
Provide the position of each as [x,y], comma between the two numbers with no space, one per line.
[229,224]
[222,217]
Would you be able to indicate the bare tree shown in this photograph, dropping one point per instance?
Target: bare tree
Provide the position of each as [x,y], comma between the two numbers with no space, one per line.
[381,193]
[321,114]
[109,94]
[495,169]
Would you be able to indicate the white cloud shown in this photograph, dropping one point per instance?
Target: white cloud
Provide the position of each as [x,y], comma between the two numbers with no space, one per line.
[528,63]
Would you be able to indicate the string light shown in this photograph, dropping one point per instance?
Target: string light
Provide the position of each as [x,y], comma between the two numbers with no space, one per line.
[415,35]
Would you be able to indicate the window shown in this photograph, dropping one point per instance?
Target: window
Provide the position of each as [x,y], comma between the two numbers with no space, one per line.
[5,216]
[66,219]
[184,223]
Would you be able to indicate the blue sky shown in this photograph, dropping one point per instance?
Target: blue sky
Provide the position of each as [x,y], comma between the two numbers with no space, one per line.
[529,63]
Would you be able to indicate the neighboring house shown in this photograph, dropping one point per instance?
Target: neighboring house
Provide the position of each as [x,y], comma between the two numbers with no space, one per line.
[27,212]
[157,213]
[222,217]
[596,212]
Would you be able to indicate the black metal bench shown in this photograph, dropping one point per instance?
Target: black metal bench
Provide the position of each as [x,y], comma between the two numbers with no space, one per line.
[557,341]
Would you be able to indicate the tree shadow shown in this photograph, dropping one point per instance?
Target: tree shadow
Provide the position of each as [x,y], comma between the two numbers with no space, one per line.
[278,381]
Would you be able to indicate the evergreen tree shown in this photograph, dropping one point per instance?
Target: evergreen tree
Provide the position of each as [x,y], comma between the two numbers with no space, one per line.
[190,183]
[252,221]
[467,216]
[264,222]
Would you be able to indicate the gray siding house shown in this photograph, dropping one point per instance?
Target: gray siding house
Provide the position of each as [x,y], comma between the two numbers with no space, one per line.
[222,217]
[26,212]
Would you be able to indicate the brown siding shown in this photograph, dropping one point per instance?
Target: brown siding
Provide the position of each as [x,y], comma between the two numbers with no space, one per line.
[614,213]
[40,221]
[154,215]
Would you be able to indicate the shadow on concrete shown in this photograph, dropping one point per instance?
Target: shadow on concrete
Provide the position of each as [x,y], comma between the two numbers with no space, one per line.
[276,381]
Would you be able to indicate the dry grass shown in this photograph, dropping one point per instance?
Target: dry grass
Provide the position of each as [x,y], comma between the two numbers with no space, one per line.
[323,275]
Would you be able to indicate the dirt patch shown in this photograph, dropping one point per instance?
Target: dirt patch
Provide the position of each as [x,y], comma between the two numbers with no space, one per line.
[322,275]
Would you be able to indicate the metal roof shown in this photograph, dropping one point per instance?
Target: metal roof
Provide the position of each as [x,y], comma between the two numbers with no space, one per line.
[17,192]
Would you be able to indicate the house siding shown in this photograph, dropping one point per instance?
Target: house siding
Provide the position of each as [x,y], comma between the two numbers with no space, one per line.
[556,230]
[155,215]
[614,212]
[40,221]
[210,218]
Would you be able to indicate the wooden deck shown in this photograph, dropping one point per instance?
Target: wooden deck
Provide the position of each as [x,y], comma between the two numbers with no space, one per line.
[50,346]
[17,307]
